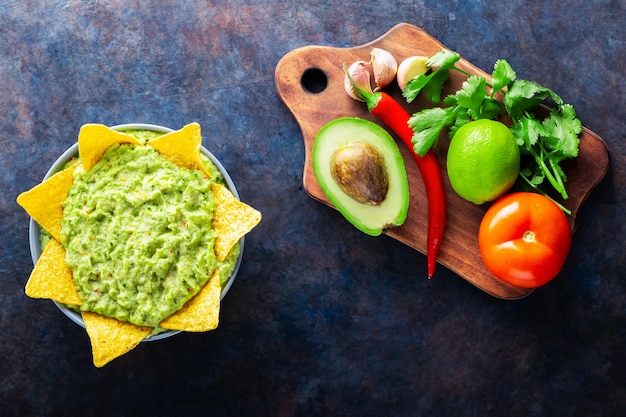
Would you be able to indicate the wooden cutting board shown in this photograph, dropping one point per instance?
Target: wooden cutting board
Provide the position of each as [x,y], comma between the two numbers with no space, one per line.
[310,80]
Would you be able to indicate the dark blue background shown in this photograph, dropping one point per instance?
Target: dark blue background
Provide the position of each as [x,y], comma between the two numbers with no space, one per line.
[322,320]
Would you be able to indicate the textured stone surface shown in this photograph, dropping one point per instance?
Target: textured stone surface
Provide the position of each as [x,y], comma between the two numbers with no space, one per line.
[322,320]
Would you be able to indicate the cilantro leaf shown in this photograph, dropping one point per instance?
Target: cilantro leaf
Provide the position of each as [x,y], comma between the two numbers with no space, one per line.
[444,59]
[473,96]
[525,95]
[435,86]
[431,83]
[502,76]
[427,125]
[472,93]
[563,128]
[527,131]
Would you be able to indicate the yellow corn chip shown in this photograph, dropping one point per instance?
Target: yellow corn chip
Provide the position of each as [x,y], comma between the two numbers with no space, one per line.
[111,338]
[201,313]
[95,139]
[43,202]
[232,219]
[52,277]
[182,147]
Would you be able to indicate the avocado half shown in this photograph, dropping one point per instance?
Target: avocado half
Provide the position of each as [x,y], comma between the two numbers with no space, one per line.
[370,218]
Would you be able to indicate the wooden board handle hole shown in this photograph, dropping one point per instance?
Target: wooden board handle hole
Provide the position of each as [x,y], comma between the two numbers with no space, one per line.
[314,80]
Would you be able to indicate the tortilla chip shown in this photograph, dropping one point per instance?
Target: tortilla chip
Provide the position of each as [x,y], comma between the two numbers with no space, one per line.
[95,139]
[111,338]
[182,147]
[201,313]
[52,277]
[43,202]
[232,219]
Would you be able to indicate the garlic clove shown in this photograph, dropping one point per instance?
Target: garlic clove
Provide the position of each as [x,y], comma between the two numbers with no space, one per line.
[361,76]
[411,68]
[384,66]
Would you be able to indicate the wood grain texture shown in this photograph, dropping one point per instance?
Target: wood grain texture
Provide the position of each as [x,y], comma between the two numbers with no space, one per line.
[312,110]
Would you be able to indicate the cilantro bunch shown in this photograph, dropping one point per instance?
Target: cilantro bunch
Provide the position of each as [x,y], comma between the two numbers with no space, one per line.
[547,142]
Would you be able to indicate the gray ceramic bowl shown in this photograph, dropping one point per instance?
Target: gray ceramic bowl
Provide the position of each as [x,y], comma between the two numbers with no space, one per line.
[34,231]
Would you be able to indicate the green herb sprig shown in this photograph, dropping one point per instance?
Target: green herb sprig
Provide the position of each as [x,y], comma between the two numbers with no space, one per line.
[548,142]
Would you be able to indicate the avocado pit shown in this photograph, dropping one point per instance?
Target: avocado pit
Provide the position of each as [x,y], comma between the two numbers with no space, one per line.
[360,171]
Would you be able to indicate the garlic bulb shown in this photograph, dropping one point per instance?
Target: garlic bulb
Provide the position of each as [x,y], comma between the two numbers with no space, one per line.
[385,67]
[361,77]
[411,68]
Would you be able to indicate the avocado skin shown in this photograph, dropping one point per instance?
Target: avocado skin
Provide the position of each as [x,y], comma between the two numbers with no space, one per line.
[370,219]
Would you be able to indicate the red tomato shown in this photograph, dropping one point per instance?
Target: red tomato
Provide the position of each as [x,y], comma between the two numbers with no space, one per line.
[524,239]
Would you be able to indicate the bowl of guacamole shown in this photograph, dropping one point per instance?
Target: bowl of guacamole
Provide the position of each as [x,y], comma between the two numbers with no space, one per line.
[146,219]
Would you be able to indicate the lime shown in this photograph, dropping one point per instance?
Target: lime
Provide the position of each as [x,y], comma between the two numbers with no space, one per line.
[483,160]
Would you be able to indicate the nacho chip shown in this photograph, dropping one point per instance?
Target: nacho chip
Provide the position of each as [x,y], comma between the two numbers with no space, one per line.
[182,147]
[111,338]
[232,219]
[52,277]
[43,202]
[95,139]
[201,313]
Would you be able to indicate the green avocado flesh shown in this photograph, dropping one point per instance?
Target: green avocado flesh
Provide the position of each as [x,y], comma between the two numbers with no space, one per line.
[361,171]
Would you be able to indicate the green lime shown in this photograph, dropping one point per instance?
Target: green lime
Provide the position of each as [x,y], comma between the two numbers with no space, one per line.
[483,160]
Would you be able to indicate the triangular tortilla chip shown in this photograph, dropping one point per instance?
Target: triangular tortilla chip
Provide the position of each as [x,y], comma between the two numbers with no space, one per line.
[43,202]
[111,338]
[201,313]
[182,147]
[232,219]
[52,277]
[95,139]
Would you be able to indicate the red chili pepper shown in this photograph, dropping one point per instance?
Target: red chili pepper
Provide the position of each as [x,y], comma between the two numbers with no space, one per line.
[391,113]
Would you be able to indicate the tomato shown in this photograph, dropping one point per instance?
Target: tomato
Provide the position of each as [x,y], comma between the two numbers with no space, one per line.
[524,239]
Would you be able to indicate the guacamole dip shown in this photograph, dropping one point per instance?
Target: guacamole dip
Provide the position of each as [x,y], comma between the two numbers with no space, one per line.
[137,232]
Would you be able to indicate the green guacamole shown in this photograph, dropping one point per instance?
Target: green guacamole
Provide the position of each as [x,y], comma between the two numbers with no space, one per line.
[137,232]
